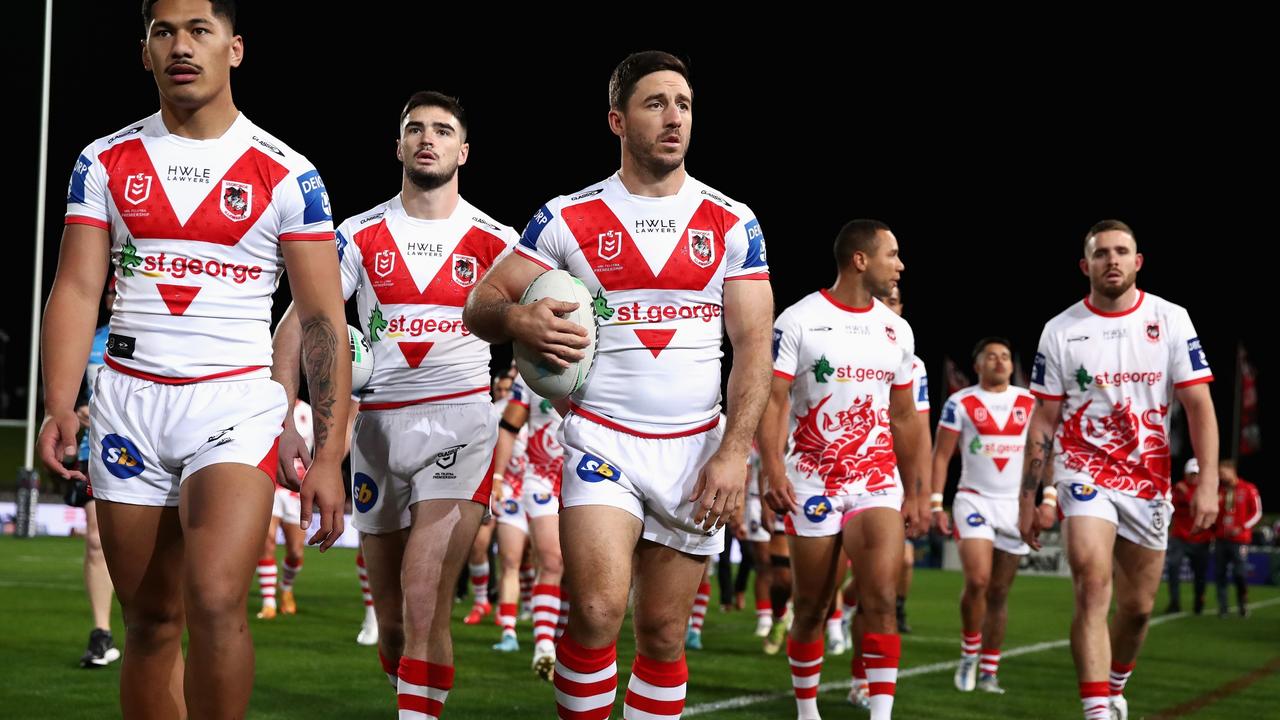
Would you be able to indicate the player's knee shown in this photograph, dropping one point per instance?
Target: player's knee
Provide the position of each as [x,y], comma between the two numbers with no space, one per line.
[661,636]
[977,584]
[1093,590]
[214,604]
[153,624]
[809,614]
[997,596]
[551,562]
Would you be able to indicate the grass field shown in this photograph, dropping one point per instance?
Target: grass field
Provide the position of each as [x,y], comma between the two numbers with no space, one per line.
[309,666]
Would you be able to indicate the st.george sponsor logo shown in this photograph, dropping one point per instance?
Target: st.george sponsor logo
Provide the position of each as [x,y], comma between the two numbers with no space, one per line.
[180,267]
[995,449]
[638,313]
[1115,379]
[402,325]
[849,373]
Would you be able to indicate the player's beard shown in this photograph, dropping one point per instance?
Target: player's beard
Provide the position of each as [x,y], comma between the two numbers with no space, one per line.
[1114,291]
[430,180]
[650,157]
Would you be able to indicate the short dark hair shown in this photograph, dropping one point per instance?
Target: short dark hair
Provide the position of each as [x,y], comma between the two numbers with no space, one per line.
[1105,226]
[990,340]
[431,98]
[225,8]
[857,236]
[622,84]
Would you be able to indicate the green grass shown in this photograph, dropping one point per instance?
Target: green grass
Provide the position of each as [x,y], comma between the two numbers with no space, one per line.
[310,667]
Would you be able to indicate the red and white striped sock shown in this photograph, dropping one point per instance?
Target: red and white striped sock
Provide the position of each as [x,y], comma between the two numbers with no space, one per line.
[290,574]
[507,618]
[480,582]
[528,574]
[423,689]
[546,612]
[1094,700]
[834,623]
[700,601]
[970,644]
[267,582]
[990,662]
[860,671]
[881,653]
[806,672]
[1120,673]
[764,609]
[363,573]
[563,620]
[391,668]
[656,689]
[586,680]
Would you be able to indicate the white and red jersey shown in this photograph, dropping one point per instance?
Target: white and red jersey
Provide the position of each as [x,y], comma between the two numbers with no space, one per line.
[195,227]
[993,436]
[302,421]
[513,478]
[543,453]
[842,363]
[1115,374]
[919,384]
[657,268]
[413,277]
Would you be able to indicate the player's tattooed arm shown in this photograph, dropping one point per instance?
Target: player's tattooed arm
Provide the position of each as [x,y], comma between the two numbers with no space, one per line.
[1039,454]
[319,352]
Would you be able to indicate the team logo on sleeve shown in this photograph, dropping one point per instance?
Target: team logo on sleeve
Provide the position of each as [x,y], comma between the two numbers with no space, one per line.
[949,412]
[610,244]
[594,469]
[1153,331]
[777,342]
[237,200]
[384,261]
[342,245]
[364,492]
[702,247]
[75,189]
[137,188]
[541,219]
[464,270]
[315,199]
[1037,369]
[1198,359]
[121,457]
[1083,492]
[817,508]
[923,395]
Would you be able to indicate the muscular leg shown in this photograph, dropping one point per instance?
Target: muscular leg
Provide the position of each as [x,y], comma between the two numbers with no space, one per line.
[97,581]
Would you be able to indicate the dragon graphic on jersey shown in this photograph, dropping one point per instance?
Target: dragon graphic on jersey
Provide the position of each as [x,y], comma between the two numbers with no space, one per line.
[129,257]
[822,369]
[539,456]
[1103,447]
[600,306]
[837,459]
[377,323]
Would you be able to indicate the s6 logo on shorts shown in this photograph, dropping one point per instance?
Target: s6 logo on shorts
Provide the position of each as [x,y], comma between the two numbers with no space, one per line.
[542,498]
[593,469]
[817,508]
[1083,492]
[975,519]
[364,492]
[121,457]
[510,507]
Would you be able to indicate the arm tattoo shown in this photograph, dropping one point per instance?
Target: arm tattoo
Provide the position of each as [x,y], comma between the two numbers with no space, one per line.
[319,345]
[1041,455]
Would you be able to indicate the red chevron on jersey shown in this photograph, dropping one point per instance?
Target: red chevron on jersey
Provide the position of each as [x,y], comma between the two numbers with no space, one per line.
[655,340]
[1014,425]
[232,207]
[393,283]
[619,265]
[177,297]
[414,351]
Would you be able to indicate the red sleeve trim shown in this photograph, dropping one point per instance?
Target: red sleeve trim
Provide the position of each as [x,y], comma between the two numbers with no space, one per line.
[1197,381]
[307,237]
[86,220]
[904,386]
[784,376]
[1047,396]
[753,276]
[532,259]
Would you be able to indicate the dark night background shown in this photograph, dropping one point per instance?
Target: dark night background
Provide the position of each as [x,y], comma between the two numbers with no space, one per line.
[986,144]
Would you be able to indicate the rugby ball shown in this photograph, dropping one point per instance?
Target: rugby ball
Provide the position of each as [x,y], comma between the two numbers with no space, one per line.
[551,382]
[361,360]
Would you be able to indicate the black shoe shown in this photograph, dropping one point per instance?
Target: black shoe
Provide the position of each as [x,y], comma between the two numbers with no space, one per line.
[903,627]
[102,650]
[1172,609]
[1199,606]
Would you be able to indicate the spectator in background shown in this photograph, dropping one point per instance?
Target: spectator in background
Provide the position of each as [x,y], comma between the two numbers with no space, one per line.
[1241,510]
[1184,542]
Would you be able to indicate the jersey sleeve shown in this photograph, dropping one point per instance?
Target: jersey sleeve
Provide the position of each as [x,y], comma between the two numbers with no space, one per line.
[1046,370]
[952,419]
[920,384]
[350,260]
[520,393]
[907,344]
[744,250]
[304,207]
[546,240]
[87,192]
[1190,366]
[786,345]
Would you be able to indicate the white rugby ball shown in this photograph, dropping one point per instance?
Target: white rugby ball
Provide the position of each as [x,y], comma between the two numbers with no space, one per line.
[361,359]
[551,382]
